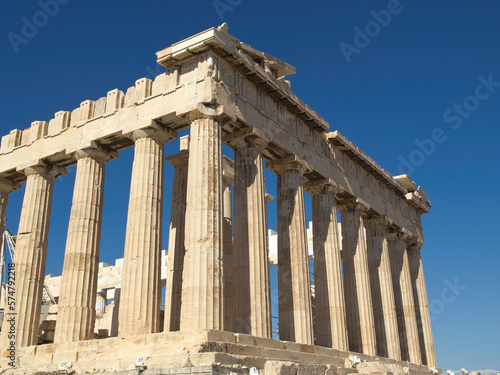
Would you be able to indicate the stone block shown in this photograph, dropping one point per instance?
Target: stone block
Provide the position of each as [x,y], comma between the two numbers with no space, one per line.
[307,348]
[43,359]
[88,355]
[280,368]
[25,360]
[269,343]
[292,346]
[332,370]
[244,339]
[247,350]
[311,369]
[373,368]
[45,349]
[221,336]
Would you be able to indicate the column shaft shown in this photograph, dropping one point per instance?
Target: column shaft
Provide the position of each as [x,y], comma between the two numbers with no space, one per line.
[250,259]
[359,308]
[140,295]
[227,235]
[176,249]
[403,297]
[77,297]
[202,285]
[31,252]
[384,308]
[331,329]
[294,284]
[422,306]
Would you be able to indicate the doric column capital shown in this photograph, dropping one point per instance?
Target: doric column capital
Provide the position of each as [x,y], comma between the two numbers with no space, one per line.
[268,198]
[414,243]
[249,137]
[398,234]
[352,204]
[377,221]
[7,186]
[205,112]
[179,159]
[96,152]
[292,162]
[324,186]
[50,172]
[159,134]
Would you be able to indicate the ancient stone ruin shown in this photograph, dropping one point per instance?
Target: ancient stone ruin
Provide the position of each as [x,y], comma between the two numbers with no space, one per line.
[370,304]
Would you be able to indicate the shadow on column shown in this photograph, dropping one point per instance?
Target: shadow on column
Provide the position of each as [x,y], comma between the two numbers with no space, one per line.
[352,308]
[421,338]
[374,261]
[396,269]
[241,252]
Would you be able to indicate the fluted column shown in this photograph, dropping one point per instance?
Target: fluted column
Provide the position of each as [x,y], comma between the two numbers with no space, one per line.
[31,253]
[227,260]
[294,284]
[141,292]
[384,308]
[403,297]
[250,259]
[359,308]
[100,304]
[202,285]
[331,329]
[176,249]
[426,338]
[77,298]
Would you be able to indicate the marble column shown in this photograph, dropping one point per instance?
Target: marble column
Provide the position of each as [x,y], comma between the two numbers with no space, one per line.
[403,297]
[294,284]
[227,229]
[176,249]
[100,304]
[331,329]
[31,253]
[250,259]
[202,285]
[359,308]
[422,305]
[141,291]
[384,308]
[77,298]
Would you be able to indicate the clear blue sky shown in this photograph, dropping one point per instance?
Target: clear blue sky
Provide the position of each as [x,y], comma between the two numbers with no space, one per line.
[416,77]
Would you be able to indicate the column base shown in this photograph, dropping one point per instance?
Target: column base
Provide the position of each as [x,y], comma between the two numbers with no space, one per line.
[203,352]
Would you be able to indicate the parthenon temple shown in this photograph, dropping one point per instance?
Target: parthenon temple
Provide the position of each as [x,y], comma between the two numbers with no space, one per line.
[367,310]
